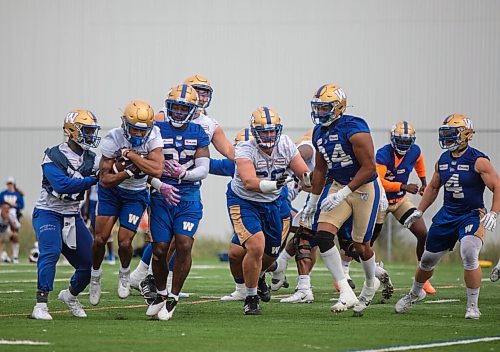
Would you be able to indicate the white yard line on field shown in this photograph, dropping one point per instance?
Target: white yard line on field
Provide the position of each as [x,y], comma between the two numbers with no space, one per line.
[433,345]
[23,342]
[105,308]
[13,291]
[442,301]
[28,281]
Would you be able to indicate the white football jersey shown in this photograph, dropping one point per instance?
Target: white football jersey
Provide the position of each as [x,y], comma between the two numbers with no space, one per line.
[115,140]
[267,167]
[48,201]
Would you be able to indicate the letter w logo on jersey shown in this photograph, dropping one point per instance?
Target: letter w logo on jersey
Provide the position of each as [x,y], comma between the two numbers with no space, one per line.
[468,228]
[187,226]
[132,219]
[275,250]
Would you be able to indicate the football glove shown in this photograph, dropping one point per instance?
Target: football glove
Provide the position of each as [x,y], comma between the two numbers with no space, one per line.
[490,220]
[334,199]
[172,168]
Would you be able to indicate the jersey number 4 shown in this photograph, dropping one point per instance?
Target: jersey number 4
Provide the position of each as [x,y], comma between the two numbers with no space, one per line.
[453,185]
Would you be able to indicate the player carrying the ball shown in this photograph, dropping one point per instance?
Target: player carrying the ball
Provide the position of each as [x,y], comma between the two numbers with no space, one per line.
[130,154]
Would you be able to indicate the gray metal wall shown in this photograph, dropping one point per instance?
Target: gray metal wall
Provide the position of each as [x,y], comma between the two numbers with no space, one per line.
[395,59]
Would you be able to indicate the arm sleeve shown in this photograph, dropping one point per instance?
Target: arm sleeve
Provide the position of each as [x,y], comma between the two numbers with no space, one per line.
[63,184]
[222,167]
[420,166]
[200,170]
[388,185]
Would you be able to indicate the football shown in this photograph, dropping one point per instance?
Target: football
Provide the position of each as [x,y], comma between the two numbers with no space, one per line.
[120,164]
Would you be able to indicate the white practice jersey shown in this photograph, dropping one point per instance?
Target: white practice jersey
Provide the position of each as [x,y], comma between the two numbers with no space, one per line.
[267,167]
[209,124]
[48,201]
[115,140]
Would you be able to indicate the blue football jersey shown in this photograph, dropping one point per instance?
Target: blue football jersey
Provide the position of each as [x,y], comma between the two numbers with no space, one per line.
[463,186]
[400,172]
[181,145]
[334,145]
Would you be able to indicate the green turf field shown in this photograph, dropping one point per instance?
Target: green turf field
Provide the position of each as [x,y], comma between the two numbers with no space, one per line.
[202,323]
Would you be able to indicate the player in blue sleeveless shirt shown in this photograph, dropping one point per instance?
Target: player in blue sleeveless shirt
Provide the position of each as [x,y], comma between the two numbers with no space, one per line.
[464,172]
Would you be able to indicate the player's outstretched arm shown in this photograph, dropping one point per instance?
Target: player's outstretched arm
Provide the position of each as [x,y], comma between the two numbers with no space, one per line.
[108,178]
[222,144]
[431,191]
[362,146]
[152,165]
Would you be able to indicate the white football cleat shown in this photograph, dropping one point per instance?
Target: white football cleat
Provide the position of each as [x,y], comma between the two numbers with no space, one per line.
[167,311]
[365,297]
[472,312]
[136,277]
[278,279]
[495,274]
[72,302]
[407,301]
[95,290]
[123,284]
[41,312]
[237,295]
[385,280]
[299,296]
[346,301]
[155,307]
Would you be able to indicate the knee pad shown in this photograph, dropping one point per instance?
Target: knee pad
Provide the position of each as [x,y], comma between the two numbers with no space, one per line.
[325,240]
[302,250]
[469,251]
[429,260]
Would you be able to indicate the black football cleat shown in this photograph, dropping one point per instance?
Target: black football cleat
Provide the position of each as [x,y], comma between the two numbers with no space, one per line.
[148,290]
[251,306]
[263,290]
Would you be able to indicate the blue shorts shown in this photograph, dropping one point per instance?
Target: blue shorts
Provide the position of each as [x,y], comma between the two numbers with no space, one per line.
[165,220]
[127,205]
[447,229]
[249,218]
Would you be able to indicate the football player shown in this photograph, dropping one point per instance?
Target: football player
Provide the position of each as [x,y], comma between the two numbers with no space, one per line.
[15,199]
[124,195]
[464,172]
[217,137]
[187,162]
[395,162]
[345,162]
[226,167]
[68,170]
[253,196]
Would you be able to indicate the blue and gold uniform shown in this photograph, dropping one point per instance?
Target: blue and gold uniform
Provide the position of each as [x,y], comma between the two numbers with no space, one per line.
[332,142]
[463,205]
[167,220]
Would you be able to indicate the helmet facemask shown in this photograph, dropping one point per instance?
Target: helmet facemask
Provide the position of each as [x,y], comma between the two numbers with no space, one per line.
[452,138]
[88,136]
[402,143]
[179,113]
[324,113]
[204,96]
[133,138]
[264,136]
